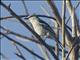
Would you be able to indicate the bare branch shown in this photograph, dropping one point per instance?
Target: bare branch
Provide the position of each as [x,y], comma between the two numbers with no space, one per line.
[75,9]
[26,10]
[19,35]
[2,18]
[19,53]
[36,35]
[76,42]
[22,36]
[73,15]
[56,29]
[20,56]
[10,39]
[63,28]
[59,21]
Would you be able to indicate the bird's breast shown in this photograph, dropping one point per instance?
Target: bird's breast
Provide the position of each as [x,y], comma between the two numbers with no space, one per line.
[39,30]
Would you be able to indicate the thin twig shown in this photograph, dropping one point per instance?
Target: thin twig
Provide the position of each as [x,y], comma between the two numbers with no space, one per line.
[56,27]
[76,41]
[32,31]
[59,20]
[7,17]
[19,54]
[22,36]
[10,39]
[3,18]
[63,28]
[74,18]
[25,7]
[70,16]
[19,35]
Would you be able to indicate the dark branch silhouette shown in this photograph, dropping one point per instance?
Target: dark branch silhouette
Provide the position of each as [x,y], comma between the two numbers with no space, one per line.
[10,39]
[36,35]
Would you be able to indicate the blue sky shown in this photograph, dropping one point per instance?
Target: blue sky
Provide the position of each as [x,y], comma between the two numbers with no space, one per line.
[33,7]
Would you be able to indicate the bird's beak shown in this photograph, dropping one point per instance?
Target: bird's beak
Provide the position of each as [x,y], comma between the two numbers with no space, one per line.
[26,18]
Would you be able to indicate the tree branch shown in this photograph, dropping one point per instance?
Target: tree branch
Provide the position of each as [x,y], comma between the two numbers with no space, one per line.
[10,39]
[34,33]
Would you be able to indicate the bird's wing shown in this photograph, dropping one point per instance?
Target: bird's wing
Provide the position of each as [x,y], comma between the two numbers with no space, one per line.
[46,26]
[51,31]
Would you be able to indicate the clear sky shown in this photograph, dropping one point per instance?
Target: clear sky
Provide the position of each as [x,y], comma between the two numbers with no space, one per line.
[33,7]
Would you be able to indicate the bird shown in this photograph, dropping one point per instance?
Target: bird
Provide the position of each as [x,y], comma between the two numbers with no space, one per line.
[43,29]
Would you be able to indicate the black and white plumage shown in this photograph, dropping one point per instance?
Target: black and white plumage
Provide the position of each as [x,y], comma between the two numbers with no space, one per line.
[42,28]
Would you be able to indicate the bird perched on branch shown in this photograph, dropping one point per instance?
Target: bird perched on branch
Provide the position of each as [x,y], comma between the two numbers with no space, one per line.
[42,28]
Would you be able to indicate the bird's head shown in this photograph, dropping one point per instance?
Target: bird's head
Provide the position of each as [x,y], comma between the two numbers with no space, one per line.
[33,18]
